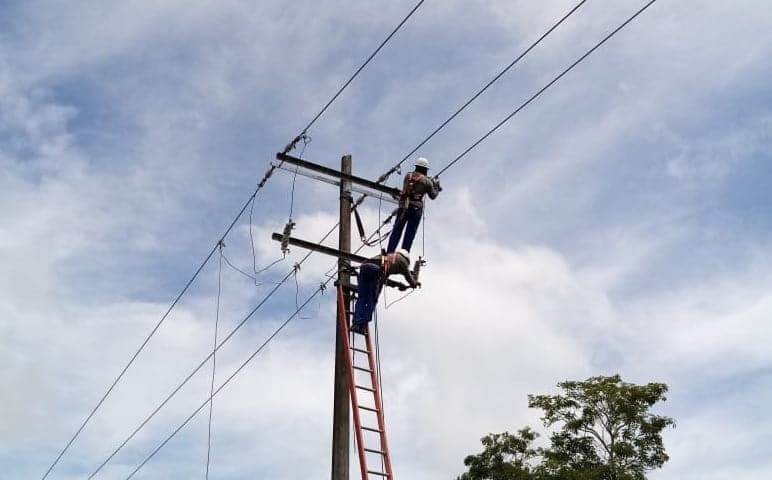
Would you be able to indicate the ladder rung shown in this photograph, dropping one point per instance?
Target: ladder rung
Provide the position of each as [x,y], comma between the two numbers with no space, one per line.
[361,387]
[374,451]
[378,473]
[363,369]
[369,409]
[371,429]
[359,350]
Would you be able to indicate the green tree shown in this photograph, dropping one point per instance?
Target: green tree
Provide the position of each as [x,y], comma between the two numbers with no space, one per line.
[606,429]
[603,429]
[504,457]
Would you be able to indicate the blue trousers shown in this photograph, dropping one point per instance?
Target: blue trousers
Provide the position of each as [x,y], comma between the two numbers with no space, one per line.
[368,290]
[407,220]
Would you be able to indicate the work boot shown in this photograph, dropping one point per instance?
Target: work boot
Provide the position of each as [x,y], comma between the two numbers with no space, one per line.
[360,328]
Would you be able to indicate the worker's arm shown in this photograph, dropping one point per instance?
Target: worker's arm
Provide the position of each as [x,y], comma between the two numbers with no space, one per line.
[409,277]
[402,267]
[432,187]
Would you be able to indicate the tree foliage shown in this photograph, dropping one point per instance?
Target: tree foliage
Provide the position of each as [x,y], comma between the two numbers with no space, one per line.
[603,429]
[504,457]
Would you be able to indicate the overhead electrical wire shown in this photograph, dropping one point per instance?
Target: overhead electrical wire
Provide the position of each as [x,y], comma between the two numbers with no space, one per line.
[214,363]
[254,254]
[292,144]
[466,104]
[483,89]
[236,372]
[209,256]
[543,89]
[205,360]
[298,138]
[573,65]
[614,32]
[157,325]
[321,288]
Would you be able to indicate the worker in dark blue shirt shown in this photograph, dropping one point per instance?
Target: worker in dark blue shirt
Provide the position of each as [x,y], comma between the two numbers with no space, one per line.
[373,274]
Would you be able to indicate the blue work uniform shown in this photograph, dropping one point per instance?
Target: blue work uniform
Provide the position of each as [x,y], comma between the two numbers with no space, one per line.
[372,275]
[411,209]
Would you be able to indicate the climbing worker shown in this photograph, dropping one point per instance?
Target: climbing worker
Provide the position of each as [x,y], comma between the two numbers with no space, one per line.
[411,204]
[373,274]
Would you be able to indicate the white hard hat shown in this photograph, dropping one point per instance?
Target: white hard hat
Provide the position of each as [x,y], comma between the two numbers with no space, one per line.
[404,253]
[422,162]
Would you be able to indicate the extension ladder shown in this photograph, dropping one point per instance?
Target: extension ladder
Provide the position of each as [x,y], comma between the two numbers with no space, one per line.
[365,379]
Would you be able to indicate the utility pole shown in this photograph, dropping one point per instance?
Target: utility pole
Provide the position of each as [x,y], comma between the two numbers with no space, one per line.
[342,393]
[340,409]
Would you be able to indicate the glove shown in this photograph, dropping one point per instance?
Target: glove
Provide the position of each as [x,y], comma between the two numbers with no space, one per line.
[402,288]
[437,185]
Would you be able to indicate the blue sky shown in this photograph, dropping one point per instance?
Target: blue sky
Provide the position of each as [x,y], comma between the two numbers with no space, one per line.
[620,223]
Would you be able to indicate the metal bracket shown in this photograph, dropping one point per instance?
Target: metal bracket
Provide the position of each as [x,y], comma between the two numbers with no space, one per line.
[334,252]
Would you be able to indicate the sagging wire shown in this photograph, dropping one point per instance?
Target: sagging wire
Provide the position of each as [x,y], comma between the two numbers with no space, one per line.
[306,140]
[322,286]
[221,244]
[153,331]
[251,277]
[389,305]
[329,272]
[222,385]
[252,244]
[206,360]
[290,225]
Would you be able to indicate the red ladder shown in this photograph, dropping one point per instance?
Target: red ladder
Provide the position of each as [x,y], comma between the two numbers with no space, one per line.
[367,374]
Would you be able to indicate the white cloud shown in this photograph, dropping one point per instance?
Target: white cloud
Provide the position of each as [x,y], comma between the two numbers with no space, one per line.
[122,139]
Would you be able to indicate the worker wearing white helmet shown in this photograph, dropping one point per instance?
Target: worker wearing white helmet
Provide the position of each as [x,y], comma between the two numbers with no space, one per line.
[373,274]
[417,184]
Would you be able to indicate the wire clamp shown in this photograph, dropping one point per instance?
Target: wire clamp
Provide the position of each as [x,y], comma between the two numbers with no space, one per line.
[267,175]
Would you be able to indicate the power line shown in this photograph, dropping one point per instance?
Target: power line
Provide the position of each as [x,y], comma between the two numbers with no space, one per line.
[441,171]
[236,372]
[474,97]
[482,90]
[254,255]
[158,325]
[214,363]
[543,89]
[209,256]
[321,288]
[268,174]
[291,145]
[205,360]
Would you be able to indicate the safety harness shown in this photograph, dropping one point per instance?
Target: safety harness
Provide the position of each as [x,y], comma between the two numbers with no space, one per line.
[409,193]
[387,261]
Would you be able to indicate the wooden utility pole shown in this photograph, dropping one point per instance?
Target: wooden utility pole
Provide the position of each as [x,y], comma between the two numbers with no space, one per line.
[340,409]
[342,395]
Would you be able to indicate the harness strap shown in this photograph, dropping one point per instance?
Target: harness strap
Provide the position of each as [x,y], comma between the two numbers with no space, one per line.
[409,192]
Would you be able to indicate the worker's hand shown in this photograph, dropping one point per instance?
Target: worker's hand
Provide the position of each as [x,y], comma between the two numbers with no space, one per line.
[437,184]
[402,288]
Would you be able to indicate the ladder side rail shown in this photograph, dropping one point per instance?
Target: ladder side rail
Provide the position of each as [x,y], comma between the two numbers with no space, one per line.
[343,326]
[379,406]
